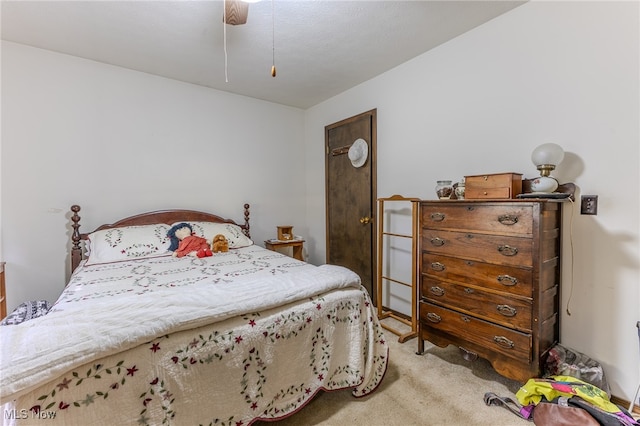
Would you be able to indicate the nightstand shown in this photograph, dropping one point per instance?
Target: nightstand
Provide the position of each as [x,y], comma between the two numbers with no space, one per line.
[3,295]
[296,246]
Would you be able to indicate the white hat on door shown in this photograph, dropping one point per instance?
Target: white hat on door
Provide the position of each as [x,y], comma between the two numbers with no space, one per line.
[358,152]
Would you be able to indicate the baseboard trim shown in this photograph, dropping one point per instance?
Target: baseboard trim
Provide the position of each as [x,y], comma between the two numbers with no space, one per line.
[624,403]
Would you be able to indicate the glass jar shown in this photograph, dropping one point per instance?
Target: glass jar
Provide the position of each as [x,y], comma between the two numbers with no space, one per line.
[444,189]
[459,191]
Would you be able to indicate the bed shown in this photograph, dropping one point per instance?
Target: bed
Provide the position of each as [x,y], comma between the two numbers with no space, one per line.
[139,336]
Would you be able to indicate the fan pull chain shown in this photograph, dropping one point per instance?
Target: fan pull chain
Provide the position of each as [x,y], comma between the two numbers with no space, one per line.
[273,41]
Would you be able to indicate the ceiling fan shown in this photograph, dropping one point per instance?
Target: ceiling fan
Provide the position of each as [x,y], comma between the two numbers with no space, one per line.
[235,12]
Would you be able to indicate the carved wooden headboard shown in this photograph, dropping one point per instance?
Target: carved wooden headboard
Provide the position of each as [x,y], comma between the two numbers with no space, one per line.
[163,216]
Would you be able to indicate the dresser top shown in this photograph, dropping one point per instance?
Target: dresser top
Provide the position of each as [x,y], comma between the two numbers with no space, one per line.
[500,200]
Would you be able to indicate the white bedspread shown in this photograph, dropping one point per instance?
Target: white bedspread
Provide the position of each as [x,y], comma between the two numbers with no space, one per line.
[98,316]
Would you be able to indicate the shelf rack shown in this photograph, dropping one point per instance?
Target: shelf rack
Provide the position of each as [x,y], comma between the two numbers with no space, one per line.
[381,279]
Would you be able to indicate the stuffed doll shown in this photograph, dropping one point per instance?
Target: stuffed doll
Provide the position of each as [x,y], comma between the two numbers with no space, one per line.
[220,244]
[184,243]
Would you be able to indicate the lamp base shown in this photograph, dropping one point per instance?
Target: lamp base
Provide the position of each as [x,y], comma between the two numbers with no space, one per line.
[544,184]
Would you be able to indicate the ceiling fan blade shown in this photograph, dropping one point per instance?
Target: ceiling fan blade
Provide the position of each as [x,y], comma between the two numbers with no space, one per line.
[236,12]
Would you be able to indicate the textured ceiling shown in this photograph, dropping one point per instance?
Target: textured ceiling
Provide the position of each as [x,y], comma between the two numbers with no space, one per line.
[322,47]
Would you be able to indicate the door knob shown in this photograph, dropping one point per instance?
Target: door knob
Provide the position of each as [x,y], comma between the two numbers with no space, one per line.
[365,220]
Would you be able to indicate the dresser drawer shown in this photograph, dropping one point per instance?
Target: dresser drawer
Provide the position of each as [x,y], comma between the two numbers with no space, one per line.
[517,281]
[499,249]
[493,337]
[487,193]
[496,307]
[504,218]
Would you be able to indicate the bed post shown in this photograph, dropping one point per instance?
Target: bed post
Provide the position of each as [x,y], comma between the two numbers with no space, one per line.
[76,251]
[247,230]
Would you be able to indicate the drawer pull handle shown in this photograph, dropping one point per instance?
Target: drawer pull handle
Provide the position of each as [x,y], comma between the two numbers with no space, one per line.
[508,250]
[437,242]
[507,310]
[508,219]
[465,319]
[504,342]
[468,290]
[437,266]
[435,318]
[437,217]
[507,280]
[470,208]
[438,291]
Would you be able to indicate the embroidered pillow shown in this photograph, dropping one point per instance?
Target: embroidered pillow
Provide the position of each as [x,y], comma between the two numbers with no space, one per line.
[232,232]
[128,243]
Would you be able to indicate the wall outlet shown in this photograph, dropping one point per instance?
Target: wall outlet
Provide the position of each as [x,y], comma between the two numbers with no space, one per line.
[589,204]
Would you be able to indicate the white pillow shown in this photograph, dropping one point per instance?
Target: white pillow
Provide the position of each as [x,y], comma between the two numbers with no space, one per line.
[232,232]
[128,243]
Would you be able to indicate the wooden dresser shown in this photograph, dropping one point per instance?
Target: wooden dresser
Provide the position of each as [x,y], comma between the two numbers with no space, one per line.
[490,279]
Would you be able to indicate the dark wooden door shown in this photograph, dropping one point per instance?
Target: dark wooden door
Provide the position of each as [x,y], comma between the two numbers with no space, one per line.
[351,197]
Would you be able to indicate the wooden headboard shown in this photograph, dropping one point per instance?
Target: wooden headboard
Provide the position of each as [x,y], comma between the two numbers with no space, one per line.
[163,216]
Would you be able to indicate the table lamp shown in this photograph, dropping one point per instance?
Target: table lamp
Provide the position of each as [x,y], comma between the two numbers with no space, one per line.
[546,157]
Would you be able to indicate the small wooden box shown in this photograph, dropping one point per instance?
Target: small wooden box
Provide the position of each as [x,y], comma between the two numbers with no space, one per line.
[285,233]
[494,186]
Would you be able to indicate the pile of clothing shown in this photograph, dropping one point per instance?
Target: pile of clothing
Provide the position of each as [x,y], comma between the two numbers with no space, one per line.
[573,391]
[26,311]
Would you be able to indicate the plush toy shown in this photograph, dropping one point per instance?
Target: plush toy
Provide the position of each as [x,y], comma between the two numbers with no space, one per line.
[220,244]
[184,243]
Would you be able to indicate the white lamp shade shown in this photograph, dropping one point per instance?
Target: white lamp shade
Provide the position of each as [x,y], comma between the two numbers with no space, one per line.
[548,153]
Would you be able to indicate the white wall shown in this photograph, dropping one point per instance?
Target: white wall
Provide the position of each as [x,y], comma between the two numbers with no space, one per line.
[119,142]
[546,71]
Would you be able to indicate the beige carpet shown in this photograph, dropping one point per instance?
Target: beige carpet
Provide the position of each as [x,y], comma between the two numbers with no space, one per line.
[436,388]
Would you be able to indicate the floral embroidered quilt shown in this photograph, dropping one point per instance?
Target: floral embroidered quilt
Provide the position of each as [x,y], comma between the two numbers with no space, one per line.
[224,340]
